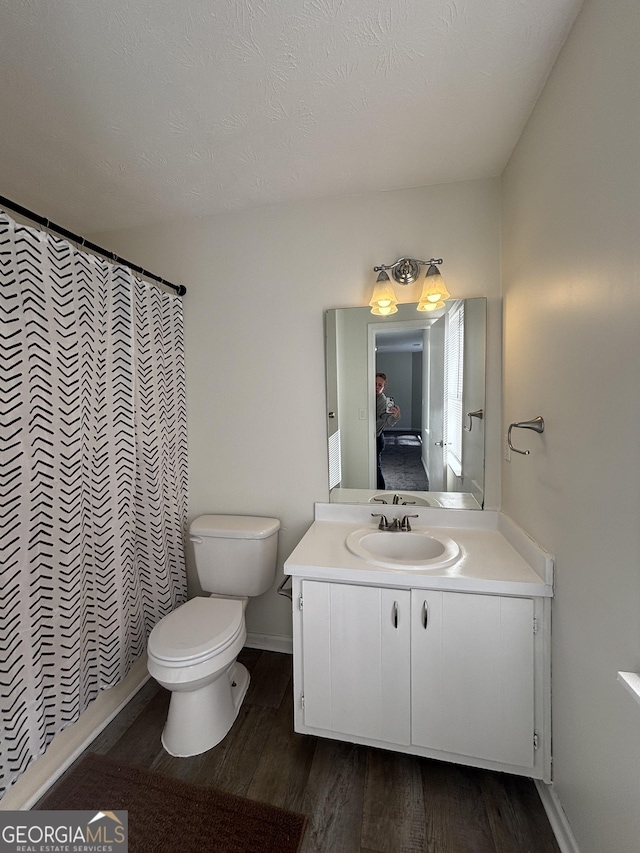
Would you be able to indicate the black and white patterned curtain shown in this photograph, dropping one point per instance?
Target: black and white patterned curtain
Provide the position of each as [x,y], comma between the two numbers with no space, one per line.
[93,460]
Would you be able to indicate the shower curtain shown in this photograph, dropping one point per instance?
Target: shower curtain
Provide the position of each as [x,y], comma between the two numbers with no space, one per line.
[92,480]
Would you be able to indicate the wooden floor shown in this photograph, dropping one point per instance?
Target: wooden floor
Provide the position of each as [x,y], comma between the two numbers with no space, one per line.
[357,799]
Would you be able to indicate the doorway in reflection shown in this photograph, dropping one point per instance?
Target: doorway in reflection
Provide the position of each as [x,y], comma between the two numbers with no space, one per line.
[399,358]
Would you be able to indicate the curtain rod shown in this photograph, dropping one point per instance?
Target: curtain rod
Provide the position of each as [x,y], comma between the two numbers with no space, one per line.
[180,289]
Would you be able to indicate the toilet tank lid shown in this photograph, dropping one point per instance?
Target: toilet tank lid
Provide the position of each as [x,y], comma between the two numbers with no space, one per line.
[234,526]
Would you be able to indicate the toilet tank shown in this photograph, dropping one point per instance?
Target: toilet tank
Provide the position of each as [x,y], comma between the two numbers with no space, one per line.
[235,554]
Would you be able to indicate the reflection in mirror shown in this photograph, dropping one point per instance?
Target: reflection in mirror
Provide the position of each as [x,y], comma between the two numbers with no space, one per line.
[435,372]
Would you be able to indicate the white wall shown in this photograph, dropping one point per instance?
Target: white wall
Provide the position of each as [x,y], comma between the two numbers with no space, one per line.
[258,285]
[571,267]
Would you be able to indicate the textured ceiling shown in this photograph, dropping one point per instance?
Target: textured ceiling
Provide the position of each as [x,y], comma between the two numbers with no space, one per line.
[126,112]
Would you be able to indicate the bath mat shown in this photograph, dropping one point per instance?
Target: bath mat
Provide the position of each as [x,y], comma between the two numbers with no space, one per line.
[167,814]
[402,467]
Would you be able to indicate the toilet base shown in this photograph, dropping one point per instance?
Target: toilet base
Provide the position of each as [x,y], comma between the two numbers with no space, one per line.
[199,719]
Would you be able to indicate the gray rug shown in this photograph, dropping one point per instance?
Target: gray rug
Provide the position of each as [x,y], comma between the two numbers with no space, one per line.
[402,463]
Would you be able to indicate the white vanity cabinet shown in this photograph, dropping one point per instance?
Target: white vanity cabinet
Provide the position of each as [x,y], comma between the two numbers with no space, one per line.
[449,662]
[450,675]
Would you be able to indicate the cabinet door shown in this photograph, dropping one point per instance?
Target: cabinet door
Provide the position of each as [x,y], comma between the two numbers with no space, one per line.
[473,675]
[356,660]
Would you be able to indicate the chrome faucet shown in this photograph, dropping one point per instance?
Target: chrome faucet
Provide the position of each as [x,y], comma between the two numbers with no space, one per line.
[396,524]
[396,499]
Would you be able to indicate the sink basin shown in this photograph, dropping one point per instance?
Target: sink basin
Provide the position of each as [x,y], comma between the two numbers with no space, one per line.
[417,549]
[405,500]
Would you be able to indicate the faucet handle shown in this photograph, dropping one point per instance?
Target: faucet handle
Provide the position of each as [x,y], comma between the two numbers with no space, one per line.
[404,524]
[384,524]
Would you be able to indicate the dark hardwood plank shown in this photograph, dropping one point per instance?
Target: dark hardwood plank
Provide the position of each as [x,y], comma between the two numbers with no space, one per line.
[393,819]
[232,764]
[186,769]
[141,743]
[539,825]
[456,817]
[516,815]
[334,797]
[283,770]
[269,679]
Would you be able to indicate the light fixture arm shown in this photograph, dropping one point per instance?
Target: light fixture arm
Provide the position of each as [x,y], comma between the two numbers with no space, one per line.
[406,270]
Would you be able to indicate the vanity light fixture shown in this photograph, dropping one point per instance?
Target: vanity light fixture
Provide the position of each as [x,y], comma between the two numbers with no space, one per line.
[406,271]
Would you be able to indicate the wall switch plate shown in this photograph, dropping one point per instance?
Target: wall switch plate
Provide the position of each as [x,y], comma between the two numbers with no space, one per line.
[362,414]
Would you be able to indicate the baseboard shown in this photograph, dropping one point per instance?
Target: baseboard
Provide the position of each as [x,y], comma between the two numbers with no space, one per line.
[557,818]
[270,643]
[70,743]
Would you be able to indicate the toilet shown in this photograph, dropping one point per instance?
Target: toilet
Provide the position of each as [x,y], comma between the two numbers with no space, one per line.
[192,651]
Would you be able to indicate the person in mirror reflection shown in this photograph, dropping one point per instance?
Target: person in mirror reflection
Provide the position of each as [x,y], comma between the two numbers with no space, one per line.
[387,415]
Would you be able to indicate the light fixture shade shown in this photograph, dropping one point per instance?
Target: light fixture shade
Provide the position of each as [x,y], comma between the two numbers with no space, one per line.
[434,291]
[430,306]
[383,301]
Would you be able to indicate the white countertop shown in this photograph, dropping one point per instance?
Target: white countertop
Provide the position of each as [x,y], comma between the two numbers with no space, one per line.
[496,556]
[451,500]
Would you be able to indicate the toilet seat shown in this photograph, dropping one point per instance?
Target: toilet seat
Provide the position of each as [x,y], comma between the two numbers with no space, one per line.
[197,630]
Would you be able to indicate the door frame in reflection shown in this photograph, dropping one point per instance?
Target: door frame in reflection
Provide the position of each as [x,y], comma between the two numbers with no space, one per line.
[406,329]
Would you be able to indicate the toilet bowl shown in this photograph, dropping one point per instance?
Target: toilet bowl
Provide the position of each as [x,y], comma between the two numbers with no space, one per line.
[192,652]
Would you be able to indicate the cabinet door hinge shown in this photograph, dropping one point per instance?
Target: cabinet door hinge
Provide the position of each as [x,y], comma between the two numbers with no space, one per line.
[535,624]
[302,701]
[300,602]
[536,740]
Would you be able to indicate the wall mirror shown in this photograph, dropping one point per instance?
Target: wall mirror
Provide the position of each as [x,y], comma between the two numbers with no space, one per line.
[435,369]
